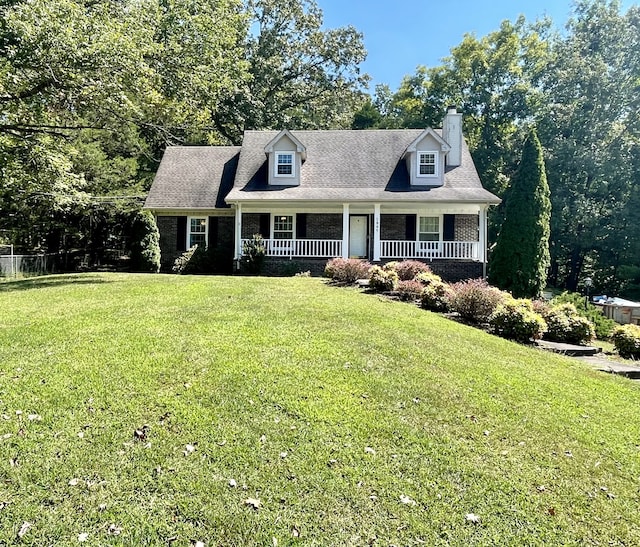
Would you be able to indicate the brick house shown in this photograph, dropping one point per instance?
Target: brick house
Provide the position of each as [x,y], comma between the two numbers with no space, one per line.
[313,195]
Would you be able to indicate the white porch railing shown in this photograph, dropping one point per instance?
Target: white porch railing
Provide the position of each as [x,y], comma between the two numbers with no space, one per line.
[308,248]
[460,250]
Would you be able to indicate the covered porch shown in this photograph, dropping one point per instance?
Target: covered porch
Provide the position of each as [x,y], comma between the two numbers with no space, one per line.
[376,232]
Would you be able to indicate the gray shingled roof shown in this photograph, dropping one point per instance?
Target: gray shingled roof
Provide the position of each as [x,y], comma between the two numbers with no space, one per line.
[352,166]
[193,177]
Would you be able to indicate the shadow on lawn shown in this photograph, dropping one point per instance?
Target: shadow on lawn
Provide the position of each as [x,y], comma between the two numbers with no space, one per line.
[50,281]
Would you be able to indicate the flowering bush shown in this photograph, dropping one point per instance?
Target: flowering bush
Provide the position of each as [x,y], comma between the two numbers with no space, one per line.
[626,340]
[382,279]
[428,277]
[515,320]
[565,324]
[347,270]
[409,290]
[436,296]
[475,300]
[409,269]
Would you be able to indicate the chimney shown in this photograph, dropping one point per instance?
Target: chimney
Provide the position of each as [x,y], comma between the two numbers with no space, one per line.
[452,133]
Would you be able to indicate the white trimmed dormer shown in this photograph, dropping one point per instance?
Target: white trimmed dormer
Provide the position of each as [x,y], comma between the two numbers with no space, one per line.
[285,155]
[425,158]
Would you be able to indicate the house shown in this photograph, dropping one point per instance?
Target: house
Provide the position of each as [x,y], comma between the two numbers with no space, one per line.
[313,195]
[620,310]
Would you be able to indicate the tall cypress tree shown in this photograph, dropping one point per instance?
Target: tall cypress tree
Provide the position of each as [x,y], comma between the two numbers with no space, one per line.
[520,259]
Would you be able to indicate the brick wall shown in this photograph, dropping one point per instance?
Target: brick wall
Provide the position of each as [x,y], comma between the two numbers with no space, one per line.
[283,267]
[393,227]
[168,228]
[251,225]
[466,228]
[324,226]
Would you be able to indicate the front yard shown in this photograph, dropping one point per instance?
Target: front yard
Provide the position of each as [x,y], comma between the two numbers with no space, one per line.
[258,411]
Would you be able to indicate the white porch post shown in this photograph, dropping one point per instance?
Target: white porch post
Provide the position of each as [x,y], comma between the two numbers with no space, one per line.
[345,230]
[238,252]
[376,232]
[482,239]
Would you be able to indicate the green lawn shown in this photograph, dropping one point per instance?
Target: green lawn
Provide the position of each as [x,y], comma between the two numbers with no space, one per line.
[352,419]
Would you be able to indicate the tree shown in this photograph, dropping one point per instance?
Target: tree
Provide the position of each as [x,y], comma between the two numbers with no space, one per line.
[145,244]
[589,125]
[300,76]
[520,259]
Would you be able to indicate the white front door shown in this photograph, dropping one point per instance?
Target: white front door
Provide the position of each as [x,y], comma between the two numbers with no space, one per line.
[358,236]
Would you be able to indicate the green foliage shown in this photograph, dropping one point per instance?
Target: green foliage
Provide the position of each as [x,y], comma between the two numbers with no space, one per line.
[565,324]
[520,259]
[475,300]
[145,244]
[181,263]
[301,75]
[253,253]
[428,277]
[603,325]
[383,279]
[436,296]
[515,319]
[409,290]
[347,270]
[626,340]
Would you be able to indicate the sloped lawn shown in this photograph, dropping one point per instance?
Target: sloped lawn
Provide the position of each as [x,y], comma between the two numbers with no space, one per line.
[350,419]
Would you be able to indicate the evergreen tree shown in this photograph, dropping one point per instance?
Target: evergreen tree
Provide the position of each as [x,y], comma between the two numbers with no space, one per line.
[520,259]
[145,244]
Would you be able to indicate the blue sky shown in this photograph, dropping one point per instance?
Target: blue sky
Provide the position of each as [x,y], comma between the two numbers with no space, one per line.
[401,34]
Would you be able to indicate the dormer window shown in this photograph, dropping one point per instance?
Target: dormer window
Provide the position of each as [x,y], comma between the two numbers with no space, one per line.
[427,163]
[284,164]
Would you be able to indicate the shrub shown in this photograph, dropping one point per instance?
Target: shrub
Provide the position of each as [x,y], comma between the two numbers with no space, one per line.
[145,243]
[565,324]
[347,270]
[604,326]
[409,290]
[253,253]
[382,279]
[475,300]
[428,277]
[409,269]
[436,296]
[626,340]
[515,320]
[182,262]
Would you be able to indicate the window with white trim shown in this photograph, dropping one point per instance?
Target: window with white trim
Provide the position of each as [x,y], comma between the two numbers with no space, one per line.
[285,164]
[429,229]
[197,232]
[427,163]
[283,227]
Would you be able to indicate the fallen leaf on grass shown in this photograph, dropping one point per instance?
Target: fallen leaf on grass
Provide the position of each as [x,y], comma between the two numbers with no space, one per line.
[406,500]
[24,529]
[470,517]
[141,434]
[552,511]
[253,503]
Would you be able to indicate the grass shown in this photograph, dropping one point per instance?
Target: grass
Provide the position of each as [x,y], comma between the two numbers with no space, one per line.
[329,406]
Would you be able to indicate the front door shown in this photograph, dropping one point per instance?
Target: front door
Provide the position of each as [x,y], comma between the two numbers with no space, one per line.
[358,236]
